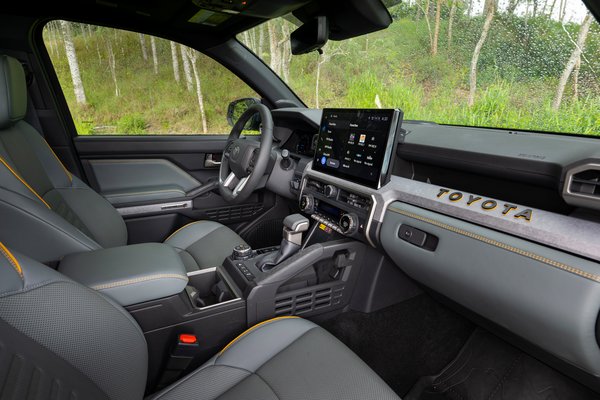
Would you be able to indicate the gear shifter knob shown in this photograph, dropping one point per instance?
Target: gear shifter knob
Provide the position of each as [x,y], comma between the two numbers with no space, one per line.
[293,226]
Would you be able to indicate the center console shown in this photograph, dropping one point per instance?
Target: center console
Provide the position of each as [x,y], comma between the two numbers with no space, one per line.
[352,159]
[187,317]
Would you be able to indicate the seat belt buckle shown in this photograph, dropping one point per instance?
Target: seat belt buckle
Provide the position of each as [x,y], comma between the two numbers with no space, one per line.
[181,356]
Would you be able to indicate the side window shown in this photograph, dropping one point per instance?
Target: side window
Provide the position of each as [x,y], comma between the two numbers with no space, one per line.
[121,82]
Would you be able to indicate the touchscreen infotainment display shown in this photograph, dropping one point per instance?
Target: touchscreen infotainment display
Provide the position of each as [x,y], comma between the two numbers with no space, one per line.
[356,144]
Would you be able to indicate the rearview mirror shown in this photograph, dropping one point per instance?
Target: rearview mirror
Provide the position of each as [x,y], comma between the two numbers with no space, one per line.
[311,36]
[238,107]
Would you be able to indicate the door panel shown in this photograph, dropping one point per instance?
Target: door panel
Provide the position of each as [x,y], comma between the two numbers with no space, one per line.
[156,182]
[126,181]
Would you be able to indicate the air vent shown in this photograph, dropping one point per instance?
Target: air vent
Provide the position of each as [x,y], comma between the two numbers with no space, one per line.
[304,302]
[582,185]
[586,182]
[235,213]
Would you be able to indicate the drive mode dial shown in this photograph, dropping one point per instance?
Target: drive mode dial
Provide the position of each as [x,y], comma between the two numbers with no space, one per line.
[349,223]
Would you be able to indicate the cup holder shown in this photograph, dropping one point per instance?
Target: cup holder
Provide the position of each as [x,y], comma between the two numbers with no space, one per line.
[207,288]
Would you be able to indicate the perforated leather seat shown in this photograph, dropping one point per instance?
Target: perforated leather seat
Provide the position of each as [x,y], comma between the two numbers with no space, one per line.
[62,340]
[46,212]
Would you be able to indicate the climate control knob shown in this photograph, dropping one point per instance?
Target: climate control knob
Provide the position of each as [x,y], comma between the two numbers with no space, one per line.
[307,203]
[330,191]
[348,223]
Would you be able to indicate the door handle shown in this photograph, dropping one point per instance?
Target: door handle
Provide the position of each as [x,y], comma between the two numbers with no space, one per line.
[211,162]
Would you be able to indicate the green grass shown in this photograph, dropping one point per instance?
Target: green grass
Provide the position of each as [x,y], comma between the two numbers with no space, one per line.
[517,79]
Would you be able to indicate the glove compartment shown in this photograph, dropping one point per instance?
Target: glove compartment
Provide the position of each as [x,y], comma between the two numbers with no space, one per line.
[548,297]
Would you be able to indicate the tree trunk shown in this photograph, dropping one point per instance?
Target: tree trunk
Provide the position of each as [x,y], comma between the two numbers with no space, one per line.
[261,40]
[113,67]
[154,55]
[512,6]
[193,56]
[451,22]
[426,14]
[275,60]
[143,45]
[73,63]
[436,32]
[175,58]
[576,79]
[575,55]
[318,80]
[286,53]
[187,69]
[490,7]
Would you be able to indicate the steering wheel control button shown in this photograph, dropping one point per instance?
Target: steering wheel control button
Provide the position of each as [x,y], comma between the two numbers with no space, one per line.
[242,252]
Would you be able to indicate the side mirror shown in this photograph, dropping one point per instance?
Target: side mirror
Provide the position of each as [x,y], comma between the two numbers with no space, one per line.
[238,107]
[311,36]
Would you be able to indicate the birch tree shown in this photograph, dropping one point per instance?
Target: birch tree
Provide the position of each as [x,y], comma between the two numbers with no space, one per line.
[436,31]
[143,46]
[154,55]
[275,59]
[572,62]
[175,60]
[73,63]
[261,40]
[187,69]
[451,21]
[112,64]
[193,57]
[324,58]
[490,7]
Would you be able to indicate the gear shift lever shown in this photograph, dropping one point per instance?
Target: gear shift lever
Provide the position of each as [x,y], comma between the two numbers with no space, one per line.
[293,227]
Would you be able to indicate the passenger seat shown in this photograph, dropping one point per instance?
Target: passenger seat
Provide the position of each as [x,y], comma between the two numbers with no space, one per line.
[61,340]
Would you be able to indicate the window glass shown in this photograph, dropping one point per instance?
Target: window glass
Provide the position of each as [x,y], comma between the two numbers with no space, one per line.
[121,82]
[516,64]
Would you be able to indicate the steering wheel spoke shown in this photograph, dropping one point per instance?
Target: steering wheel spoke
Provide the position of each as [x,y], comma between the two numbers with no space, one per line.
[228,182]
[240,185]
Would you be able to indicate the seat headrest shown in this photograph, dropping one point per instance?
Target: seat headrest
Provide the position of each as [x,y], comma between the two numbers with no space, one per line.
[13,91]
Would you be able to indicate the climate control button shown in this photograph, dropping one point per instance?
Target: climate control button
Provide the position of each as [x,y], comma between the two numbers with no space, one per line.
[349,223]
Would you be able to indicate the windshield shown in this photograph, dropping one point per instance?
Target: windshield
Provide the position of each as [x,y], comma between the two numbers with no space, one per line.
[516,64]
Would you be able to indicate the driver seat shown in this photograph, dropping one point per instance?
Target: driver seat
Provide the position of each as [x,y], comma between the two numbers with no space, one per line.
[47,213]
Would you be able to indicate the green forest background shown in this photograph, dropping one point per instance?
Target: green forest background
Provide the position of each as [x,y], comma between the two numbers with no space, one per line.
[518,74]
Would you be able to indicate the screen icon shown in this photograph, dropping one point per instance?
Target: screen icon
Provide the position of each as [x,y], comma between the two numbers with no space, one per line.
[352,137]
[323,160]
[362,139]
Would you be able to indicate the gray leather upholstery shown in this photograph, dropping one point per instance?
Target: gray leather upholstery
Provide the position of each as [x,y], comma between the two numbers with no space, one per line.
[61,340]
[288,358]
[204,244]
[46,212]
[13,101]
[129,274]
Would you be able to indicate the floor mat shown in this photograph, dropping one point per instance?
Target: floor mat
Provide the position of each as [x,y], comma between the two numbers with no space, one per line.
[403,342]
[488,368]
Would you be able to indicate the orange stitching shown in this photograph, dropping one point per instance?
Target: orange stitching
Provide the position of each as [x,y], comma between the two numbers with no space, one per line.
[11,259]
[247,331]
[23,182]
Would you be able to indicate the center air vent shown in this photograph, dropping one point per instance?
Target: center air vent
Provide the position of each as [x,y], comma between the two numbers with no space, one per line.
[582,186]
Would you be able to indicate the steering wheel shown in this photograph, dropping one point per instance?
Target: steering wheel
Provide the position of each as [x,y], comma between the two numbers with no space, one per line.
[244,161]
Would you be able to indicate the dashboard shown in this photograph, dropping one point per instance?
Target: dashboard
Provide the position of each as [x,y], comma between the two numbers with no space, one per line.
[503,223]
[539,187]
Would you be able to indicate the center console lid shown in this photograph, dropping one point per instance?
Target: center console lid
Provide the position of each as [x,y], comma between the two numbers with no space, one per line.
[129,274]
